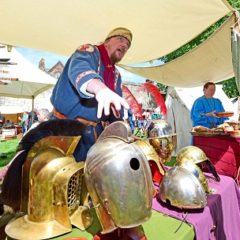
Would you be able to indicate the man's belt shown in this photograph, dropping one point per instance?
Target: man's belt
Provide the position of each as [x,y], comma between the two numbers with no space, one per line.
[81,120]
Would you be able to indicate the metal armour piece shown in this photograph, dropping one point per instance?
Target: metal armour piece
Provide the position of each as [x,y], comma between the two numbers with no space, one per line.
[160,128]
[157,168]
[181,189]
[197,156]
[52,191]
[193,153]
[162,138]
[196,171]
[119,182]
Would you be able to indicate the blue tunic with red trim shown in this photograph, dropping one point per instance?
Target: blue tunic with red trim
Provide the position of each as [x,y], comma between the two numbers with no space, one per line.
[67,98]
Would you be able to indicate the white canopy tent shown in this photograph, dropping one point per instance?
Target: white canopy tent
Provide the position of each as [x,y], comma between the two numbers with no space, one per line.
[159,26]
[28,81]
[23,81]
[210,61]
[12,109]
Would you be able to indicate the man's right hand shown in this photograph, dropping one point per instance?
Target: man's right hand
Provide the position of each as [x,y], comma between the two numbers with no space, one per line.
[211,114]
[106,98]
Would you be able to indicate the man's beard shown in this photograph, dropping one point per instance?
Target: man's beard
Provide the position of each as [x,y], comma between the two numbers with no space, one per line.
[114,59]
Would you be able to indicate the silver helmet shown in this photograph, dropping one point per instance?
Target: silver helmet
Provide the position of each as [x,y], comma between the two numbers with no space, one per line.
[162,138]
[119,181]
[181,189]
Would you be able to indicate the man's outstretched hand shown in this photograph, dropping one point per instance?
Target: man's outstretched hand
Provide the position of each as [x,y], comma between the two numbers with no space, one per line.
[107,99]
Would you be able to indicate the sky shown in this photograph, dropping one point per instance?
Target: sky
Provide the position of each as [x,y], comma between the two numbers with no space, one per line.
[34,56]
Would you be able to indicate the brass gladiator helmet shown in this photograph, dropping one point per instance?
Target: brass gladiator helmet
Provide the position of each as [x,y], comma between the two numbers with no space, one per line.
[197,156]
[53,191]
[162,138]
[181,189]
[193,153]
[156,166]
[118,179]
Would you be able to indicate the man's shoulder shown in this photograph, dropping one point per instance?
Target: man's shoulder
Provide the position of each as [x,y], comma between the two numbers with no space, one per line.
[86,48]
[199,99]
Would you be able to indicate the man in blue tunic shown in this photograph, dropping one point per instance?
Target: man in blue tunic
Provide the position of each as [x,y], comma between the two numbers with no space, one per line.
[89,88]
[204,108]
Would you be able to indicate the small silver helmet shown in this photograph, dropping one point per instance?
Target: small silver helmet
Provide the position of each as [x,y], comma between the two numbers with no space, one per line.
[162,138]
[119,181]
[181,189]
[196,171]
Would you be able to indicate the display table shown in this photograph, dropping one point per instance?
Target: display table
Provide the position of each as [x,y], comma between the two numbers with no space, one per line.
[223,151]
[220,219]
[159,226]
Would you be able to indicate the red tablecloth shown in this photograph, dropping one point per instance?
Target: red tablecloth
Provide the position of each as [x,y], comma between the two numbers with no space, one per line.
[223,151]
[220,219]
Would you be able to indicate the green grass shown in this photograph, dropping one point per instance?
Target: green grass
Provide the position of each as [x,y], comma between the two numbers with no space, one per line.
[7,151]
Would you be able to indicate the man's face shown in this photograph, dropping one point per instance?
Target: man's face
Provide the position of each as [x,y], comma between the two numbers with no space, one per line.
[117,47]
[210,91]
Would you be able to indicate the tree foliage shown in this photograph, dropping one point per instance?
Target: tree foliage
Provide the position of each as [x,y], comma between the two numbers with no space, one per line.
[229,85]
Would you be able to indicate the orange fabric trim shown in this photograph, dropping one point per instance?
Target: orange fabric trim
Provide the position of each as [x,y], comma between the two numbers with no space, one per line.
[81,120]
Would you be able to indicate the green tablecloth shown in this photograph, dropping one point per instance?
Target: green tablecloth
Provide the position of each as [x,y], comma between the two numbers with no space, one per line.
[158,227]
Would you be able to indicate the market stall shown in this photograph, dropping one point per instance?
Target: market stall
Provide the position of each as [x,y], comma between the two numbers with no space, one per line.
[215,65]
